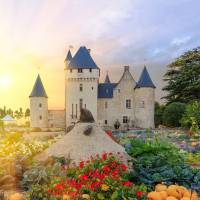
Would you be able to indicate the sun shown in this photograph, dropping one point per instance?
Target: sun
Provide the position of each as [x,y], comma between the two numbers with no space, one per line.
[5,81]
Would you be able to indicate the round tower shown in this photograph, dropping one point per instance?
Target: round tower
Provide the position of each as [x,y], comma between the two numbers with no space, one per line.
[38,105]
[81,84]
[144,101]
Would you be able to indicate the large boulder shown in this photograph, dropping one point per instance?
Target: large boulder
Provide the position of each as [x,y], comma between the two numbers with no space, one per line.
[82,142]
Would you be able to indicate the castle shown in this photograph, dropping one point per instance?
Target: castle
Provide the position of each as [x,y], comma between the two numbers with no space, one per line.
[127,102]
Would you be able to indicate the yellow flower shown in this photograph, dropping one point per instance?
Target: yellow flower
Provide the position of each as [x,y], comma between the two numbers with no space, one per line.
[104,187]
[66,197]
[86,196]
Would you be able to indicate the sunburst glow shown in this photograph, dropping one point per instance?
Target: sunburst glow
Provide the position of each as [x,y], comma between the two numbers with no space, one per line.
[5,81]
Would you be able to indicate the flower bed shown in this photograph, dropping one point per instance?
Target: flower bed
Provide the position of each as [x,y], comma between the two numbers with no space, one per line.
[101,177]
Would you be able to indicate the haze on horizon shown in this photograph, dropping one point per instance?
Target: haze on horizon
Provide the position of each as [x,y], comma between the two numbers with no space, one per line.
[35,37]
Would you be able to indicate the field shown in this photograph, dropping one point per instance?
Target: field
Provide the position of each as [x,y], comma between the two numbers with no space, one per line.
[168,156]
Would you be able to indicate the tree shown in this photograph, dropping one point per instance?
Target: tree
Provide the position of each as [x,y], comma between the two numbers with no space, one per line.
[27,112]
[159,109]
[192,114]
[173,114]
[183,78]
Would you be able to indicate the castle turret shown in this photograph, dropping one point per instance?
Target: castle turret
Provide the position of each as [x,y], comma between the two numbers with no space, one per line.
[38,105]
[82,76]
[144,101]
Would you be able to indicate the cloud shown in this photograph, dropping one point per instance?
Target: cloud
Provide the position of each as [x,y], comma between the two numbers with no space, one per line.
[180,41]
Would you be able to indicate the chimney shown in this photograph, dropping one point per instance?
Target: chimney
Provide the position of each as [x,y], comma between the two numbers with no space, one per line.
[126,68]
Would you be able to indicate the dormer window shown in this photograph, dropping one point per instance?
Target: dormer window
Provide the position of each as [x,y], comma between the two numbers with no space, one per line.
[80,70]
[90,69]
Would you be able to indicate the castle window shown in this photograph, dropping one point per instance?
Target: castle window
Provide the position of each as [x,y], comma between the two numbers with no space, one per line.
[107,91]
[76,110]
[90,69]
[40,117]
[92,88]
[106,122]
[142,104]
[72,111]
[128,103]
[125,119]
[81,103]
[106,104]
[40,105]
[118,90]
[70,70]
[81,87]
[80,70]
[85,106]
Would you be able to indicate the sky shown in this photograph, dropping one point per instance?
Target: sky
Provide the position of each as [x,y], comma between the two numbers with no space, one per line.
[35,36]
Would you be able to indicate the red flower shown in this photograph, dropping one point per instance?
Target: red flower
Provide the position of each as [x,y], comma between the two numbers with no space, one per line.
[72,194]
[59,187]
[81,164]
[123,167]
[72,183]
[78,186]
[106,168]
[95,185]
[128,184]
[104,156]
[115,173]
[149,198]
[83,177]
[138,193]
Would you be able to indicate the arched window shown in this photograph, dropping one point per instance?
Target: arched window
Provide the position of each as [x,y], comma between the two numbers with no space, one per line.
[40,117]
[40,105]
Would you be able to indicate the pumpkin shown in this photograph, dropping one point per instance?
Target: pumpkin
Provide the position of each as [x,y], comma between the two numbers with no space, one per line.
[185,198]
[173,190]
[182,190]
[16,196]
[171,198]
[160,187]
[163,195]
[154,196]
[192,195]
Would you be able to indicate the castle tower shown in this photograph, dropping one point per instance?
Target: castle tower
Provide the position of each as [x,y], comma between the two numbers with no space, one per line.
[38,105]
[81,83]
[144,101]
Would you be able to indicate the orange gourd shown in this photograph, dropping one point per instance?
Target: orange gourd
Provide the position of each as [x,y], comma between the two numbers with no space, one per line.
[163,194]
[160,187]
[154,196]
[16,196]
[173,190]
[171,198]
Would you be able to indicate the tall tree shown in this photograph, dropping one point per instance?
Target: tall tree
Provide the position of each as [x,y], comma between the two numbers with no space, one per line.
[183,78]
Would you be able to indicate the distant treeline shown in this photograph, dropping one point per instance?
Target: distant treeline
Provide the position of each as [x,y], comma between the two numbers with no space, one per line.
[17,114]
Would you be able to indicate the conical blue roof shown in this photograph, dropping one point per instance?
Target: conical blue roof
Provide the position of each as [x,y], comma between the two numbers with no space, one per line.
[69,56]
[38,89]
[145,80]
[82,59]
[107,79]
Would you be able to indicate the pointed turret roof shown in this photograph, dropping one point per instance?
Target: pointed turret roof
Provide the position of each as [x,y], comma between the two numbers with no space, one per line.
[145,79]
[38,89]
[82,59]
[69,56]
[107,79]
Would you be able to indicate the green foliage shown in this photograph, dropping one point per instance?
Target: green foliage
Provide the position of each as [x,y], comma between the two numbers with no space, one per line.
[182,77]
[157,160]
[159,109]
[173,114]
[191,114]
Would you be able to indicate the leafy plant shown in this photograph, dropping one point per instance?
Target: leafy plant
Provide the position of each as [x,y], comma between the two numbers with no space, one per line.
[173,114]
[157,160]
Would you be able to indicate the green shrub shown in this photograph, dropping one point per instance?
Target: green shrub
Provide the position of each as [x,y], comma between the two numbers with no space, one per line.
[192,113]
[159,109]
[173,114]
[157,160]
